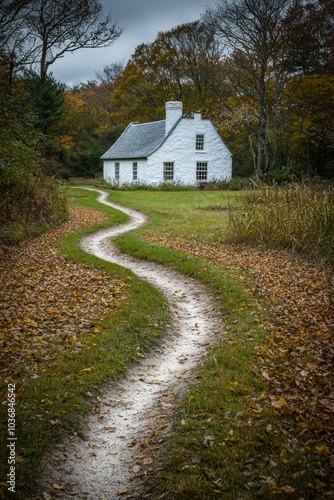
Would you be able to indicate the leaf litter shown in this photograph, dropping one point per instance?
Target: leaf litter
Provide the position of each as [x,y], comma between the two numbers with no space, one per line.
[48,302]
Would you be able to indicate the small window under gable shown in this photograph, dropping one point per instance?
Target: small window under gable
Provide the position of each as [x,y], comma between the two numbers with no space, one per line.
[168,170]
[135,171]
[202,171]
[117,170]
[199,142]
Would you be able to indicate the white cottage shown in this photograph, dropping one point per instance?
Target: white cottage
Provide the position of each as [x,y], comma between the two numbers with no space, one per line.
[183,148]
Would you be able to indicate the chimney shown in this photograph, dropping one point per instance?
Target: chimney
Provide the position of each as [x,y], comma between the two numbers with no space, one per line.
[173,113]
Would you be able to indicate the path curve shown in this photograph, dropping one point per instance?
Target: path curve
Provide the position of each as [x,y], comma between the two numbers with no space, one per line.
[103,465]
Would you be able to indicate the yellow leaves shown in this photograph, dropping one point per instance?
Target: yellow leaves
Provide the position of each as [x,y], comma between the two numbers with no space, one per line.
[322,449]
[122,492]
[88,370]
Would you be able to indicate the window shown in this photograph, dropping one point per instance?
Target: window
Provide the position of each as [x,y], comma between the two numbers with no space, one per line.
[202,171]
[199,142]
[134,170]
[168,171]
[116,171]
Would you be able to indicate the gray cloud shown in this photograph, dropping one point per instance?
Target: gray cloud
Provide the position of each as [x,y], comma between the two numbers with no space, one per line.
[141,20]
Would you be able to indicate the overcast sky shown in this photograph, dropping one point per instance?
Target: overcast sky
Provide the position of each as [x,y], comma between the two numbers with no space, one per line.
[141,21]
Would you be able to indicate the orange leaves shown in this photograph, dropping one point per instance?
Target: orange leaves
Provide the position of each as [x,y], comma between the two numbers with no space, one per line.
[47,302]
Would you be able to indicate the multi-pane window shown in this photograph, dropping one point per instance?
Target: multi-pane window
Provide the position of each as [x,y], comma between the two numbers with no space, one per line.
[168,171]
[201,170]
[199,142]
[117,171]
[134,170]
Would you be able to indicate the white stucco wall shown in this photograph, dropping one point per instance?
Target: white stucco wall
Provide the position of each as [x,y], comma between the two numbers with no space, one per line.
[125,171]
[180,148]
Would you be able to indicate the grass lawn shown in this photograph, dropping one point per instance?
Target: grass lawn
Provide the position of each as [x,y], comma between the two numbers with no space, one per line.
[201,215]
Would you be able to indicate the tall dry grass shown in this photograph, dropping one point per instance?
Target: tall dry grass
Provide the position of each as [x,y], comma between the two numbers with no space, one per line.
[299,217]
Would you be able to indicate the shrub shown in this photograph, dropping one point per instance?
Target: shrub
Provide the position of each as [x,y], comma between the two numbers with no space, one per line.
[30,202]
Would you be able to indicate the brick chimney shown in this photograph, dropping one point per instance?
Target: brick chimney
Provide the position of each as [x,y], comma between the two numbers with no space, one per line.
[173,113]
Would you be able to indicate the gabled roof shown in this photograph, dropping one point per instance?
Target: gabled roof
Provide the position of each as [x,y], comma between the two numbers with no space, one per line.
[137,141]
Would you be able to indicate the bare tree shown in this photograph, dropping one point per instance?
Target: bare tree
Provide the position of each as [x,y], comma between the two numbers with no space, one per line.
[56,27]
[11,11]
[50,28]
[251,34]
[12,33]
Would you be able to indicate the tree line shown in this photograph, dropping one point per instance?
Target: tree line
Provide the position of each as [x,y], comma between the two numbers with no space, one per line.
[34,34]
[262,70]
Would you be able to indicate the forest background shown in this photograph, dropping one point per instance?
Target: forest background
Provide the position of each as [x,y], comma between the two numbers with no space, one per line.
[261,70]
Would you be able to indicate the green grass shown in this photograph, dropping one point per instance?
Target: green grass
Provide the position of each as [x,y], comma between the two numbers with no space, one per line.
[200,215]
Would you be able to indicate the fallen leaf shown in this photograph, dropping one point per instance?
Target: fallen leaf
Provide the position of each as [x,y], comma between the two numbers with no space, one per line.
[287,489]
[58,486]
[122,492]
[279,404]
[265,375]
[322,449]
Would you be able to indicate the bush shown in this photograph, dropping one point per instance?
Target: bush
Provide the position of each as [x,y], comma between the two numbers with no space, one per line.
[30,202]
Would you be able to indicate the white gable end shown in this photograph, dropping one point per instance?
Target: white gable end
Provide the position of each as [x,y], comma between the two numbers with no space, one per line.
[180,149]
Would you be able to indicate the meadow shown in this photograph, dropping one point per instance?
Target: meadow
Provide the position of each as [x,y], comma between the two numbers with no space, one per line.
[258,422]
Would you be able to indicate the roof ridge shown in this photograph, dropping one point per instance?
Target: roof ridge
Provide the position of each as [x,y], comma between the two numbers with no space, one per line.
[147,123]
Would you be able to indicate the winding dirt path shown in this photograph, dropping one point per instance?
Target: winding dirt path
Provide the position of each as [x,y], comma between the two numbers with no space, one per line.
[104,464]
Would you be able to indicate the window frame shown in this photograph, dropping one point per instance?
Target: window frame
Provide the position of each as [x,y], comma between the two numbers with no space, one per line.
[168,171]
[117,170]
[135,171]
[201,171]
[199,143]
